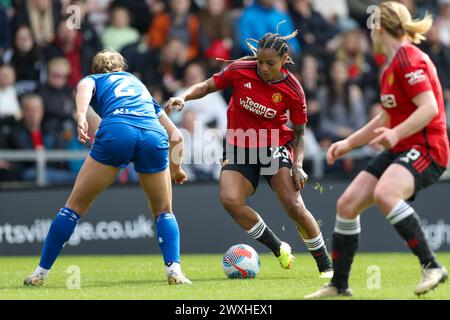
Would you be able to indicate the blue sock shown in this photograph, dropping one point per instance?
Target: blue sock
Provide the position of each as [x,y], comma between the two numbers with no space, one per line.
[168,237]
[60,231]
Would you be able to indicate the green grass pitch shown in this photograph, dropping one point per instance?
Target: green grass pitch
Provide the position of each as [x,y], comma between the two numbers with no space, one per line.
[374,276]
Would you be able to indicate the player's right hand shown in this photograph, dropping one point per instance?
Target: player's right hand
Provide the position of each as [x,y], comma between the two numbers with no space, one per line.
[82,129]
[174,103]
[336,150]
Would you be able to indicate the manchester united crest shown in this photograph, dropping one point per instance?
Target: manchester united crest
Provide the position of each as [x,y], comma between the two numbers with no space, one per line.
[391,79]
[277,97]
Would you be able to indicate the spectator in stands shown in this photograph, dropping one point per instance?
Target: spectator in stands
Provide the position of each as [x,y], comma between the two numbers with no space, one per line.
[202,149]
[358,10]
[215,25]
[9,102]
[178,23]
[263,17]
[5,31]
[309,78]
[119,33]
[30,134]
[440,55]
[336,12]
[142,61]
[91,43]
[443,21]
[8,170]
[25,59]
[341,106]
[41,16]
[361,67]
[69,45]
[139,11]
[58,100]
[98,13]
[315,30]
[211,110]
[171,69]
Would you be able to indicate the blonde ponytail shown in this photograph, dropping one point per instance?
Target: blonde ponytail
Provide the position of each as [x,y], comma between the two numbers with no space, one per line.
[397,21]
[417,28]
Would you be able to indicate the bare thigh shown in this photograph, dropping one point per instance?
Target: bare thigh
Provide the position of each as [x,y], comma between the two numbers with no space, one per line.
[234,187]
[396,183]
[93,178]
[158,188]
[234,191]
[358,196]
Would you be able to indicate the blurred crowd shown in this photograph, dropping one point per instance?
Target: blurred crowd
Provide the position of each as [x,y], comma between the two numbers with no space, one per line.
[46,47]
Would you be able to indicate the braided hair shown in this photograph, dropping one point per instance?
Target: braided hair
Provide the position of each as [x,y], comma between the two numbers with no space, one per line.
[268,41]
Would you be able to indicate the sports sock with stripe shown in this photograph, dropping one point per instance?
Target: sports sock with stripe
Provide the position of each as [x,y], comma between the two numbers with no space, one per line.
[407,223]
[316,246]
[345,243]
[262,233]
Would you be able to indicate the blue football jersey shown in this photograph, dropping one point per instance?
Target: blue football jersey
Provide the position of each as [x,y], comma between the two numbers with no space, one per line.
[121,97]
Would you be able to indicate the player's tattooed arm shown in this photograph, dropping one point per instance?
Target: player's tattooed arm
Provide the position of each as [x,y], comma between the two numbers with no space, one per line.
[300,177]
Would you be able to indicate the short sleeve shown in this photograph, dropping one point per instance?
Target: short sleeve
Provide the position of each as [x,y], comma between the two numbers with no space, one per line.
[413,77]
[87,79]
[298,113]
[223,78]
[158,109]
[298,108]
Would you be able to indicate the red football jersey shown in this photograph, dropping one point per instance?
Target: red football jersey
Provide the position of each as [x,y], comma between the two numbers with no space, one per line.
[410,73]
[257,112]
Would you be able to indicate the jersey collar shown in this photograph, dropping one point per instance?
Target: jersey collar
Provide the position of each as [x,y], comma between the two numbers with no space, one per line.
[284,71]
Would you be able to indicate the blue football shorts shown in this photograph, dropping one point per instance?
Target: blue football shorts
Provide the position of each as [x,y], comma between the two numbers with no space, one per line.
[117,144]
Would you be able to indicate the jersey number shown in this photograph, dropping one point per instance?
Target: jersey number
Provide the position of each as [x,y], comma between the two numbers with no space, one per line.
[412,155]
[280,152]
[122,90]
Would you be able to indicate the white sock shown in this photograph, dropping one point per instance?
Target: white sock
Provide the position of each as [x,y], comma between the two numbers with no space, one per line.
[175,267]
[399,212]
[347,226]
[257,230]
[315,243]
[41,271]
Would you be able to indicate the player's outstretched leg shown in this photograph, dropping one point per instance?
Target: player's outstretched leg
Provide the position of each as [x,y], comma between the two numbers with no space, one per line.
[407,223]
[158,186]
[357,197]
[234,190]
[282,250]
[397,183]
[169,241]
[307,226]
[59,233]
[92,179]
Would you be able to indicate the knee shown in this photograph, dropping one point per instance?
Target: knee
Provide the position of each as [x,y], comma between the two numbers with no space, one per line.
[295,209]
[345,207]
[380,195]
[231,202]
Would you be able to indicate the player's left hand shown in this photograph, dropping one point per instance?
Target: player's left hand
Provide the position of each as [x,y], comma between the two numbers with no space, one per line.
[300,177]
[178,176]
[386,137]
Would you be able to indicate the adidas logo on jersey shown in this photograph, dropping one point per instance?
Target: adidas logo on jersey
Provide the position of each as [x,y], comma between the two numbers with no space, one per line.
[248,85]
